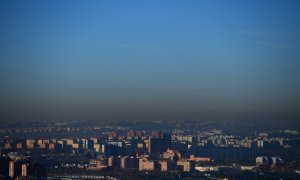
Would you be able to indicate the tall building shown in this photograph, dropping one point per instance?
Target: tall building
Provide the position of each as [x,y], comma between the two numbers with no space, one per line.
[97,147]
[87,144]
[24,170]
[11,169]
[159,144]
[167,141]
[123,162]
[155,145]
[17,168]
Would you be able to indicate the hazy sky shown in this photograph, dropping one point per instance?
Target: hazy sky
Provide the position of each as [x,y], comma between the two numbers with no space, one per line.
[149,59]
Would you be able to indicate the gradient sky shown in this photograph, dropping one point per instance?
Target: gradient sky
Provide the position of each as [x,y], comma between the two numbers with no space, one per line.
[62,60]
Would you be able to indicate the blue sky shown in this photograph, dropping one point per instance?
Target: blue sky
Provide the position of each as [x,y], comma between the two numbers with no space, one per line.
[149,59]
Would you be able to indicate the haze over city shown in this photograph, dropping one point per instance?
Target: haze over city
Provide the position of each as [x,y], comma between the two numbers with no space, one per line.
[160,89]
[146,60]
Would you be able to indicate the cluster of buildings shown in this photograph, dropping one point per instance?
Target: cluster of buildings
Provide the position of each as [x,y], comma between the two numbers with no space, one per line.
[154,151]
[15,166]
[26,130]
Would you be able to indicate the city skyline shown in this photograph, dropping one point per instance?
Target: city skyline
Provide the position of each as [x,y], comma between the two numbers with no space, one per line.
[74,60]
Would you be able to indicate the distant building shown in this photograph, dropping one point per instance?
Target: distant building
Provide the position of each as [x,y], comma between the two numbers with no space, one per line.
[87,144]
[30,143]
[110,161]
[62,143]
[75,146]
[7,145]
[113,135]
[94,139]
[226,153]
[163,165]
[156,145]
[97,147]
[186,165]
[260,143]
[96,164]
[130,134]
[123,162]
[206,168]
[171,154]
[199,159]
[146,165]
[55,147]
[156,134]
[268,161]
[263,134]
[17,168]
[114,148]
[43,146]
[159,144]
[12,169]
[24,170]
[133,163]
[19,145]
[140,133]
